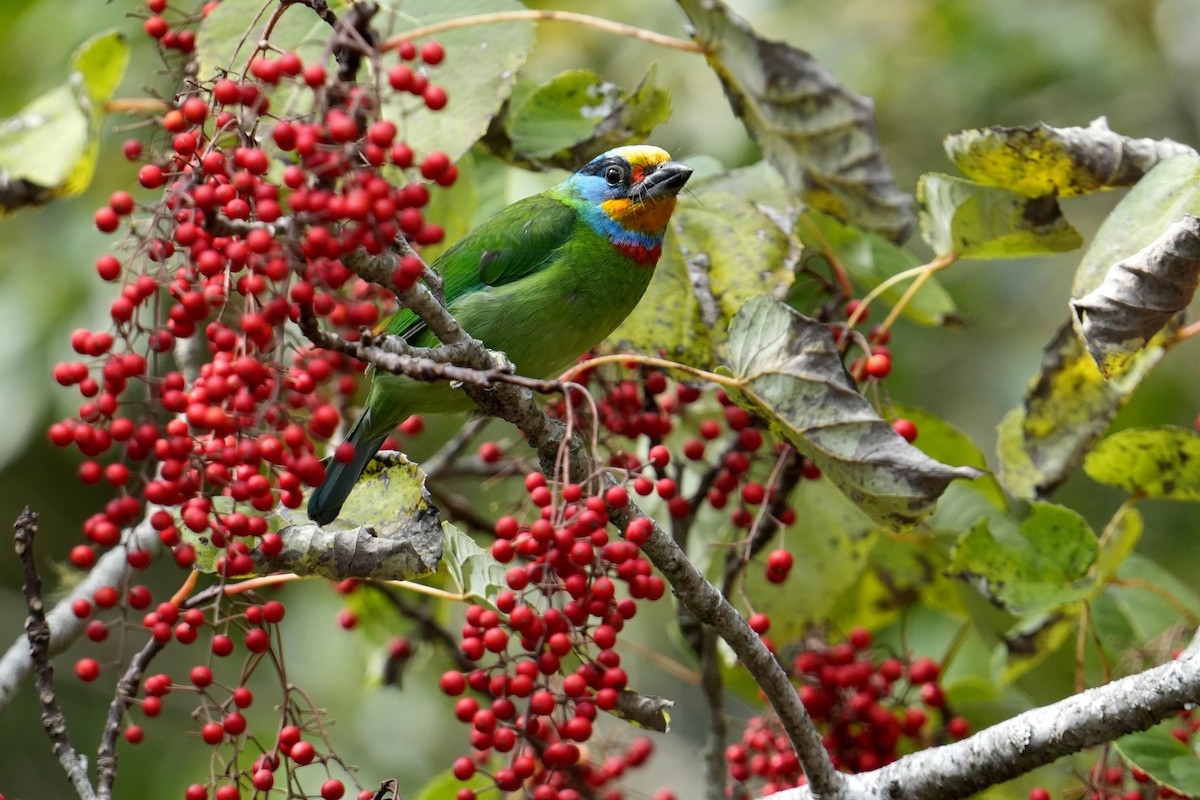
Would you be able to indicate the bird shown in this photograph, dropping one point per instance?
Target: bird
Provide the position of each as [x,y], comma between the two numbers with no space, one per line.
[543,281]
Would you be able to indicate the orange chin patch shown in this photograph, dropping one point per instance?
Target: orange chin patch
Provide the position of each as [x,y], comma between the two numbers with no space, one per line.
[649,217]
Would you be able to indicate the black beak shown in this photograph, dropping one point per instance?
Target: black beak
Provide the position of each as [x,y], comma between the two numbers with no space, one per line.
[665,181]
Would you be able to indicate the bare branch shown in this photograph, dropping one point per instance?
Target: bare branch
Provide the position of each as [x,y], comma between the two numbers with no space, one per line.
[64,626]
[37,631]
[127,688]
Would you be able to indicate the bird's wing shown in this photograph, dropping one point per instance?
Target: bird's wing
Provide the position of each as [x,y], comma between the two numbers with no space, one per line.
[514,243]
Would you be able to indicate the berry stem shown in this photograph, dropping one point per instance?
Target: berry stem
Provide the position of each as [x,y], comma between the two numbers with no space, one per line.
[921,275]
[543,15]
[429,591]
[839,273]
[650,361]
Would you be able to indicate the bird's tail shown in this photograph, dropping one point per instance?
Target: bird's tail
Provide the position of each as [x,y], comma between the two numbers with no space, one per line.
[326,500]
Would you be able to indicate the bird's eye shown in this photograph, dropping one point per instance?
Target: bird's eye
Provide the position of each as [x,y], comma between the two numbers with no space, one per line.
[614,176]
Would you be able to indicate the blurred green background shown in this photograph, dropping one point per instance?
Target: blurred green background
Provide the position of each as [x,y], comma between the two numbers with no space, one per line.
[931,67]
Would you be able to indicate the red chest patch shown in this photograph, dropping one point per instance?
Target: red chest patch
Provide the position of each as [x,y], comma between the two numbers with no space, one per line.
[642,255]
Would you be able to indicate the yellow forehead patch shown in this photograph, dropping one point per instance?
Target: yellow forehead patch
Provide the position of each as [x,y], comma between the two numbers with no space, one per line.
[642,155]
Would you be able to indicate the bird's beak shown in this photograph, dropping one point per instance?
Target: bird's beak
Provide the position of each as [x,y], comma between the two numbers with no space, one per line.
[665,181]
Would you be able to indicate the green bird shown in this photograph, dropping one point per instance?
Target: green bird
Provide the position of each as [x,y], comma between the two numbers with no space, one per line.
[544,281]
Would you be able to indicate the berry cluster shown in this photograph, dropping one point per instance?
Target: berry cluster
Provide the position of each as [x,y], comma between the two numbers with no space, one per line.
[533,710]
[201,407]
[230,629]
[861,703]
[231,249]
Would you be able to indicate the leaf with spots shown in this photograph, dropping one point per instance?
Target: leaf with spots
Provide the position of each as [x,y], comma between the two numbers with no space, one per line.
[815,131]
[1042,565]
[1041,160]
[979,221]
[1067,408]
[1140,296]
[1149,462]
[787,369]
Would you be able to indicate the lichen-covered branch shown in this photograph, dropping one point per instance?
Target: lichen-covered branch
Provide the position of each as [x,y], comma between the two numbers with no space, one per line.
[1028,740]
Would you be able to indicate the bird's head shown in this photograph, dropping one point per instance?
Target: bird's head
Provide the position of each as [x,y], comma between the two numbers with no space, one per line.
[628,195]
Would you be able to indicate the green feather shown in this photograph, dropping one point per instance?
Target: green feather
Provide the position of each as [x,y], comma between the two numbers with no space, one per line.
[537,281]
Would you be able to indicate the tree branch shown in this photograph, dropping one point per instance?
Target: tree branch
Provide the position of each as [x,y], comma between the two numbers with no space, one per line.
[1028,740]
[37,631]
[64,626]
[127,687]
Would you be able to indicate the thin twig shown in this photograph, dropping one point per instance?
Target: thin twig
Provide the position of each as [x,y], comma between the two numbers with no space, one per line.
[127,688]
[546,15]
[38,634]
[713,686]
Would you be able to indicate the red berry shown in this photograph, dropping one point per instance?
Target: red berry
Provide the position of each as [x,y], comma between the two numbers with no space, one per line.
[923,670]
[780,560]
[878,365]
[906,428]
[432,53]
[87,669]
[435,98]
[303,752]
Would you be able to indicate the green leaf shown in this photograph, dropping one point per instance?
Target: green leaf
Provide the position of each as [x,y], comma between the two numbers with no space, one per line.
[870,259]
[230,32]
[577,114]
[478,73]
[1149,462]
[1153,599]
[1044,566]
[48,149]
[1041,160]
[788,370]
[830,557]
[816,132]
[720,251]
[1120,538]
[901,574]
[979,221]
[1168,761]
[1066,409]
[472,568]
[444,786]
[943,442]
